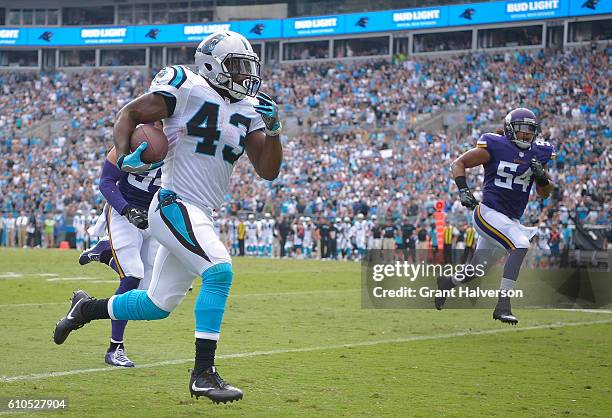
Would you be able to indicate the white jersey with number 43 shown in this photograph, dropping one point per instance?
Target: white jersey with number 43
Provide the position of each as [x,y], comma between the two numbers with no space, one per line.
[206,136]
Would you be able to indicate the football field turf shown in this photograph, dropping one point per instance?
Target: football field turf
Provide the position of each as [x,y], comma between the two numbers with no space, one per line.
[297,341]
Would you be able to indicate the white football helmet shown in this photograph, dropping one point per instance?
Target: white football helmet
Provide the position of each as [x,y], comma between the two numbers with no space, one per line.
[360,216]
[251,217]
[227,60]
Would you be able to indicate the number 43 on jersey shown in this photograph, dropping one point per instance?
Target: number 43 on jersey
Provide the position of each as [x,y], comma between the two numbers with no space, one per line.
[204,124]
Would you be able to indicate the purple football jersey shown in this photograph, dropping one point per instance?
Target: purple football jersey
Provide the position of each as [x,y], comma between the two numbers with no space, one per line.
[138,190]
[508,177]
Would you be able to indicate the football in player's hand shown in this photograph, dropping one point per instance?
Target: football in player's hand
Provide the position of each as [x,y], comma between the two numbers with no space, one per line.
[158,143]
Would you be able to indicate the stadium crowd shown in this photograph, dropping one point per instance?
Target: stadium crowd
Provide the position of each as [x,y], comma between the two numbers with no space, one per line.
[356,147]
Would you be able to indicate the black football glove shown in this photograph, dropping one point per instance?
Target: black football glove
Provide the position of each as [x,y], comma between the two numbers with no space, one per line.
[138,217]
[467,198]
[539,175]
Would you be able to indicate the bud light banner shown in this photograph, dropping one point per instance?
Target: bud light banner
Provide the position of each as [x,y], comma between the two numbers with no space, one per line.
[313,26]
[395,20]
[419,18]
[506,11]
[195,33]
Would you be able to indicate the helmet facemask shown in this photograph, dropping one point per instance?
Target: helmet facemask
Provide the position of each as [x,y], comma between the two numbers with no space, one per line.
[227,60]
[240,75]
[523,133]
[521,127]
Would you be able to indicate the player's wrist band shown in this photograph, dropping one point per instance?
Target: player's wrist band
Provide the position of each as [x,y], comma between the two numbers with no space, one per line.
[275,132]
[461,182]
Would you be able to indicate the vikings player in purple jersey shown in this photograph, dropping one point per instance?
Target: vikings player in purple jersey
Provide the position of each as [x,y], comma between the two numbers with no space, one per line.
[130,249]
[513,161]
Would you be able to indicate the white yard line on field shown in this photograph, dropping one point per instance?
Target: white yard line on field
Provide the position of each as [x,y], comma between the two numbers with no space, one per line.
[606,311]
[23,305]
[297,293]
[13,275]
[244,295]
[10,275]
[29,377]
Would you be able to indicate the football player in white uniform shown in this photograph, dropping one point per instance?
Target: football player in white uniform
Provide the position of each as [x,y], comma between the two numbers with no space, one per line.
[361,228]
[347,234]
[259,246]
[267,226]
[232,235]
[338,226]
[90,221]
[79,229]
[210,118]
[251,235]
[307,242]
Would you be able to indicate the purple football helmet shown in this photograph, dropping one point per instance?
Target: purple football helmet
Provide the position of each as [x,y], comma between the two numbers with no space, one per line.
[521,120]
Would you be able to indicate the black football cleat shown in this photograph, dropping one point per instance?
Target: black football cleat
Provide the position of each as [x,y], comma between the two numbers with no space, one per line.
[210,384]
[444,283]
[503,311]
[73,319]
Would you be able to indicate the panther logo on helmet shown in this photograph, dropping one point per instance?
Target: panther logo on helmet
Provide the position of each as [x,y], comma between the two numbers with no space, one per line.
[211,43]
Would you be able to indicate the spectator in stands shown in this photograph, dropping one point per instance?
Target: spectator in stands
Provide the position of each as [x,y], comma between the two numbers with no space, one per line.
[31,231]
[49,230]
[22,224]
[9,229]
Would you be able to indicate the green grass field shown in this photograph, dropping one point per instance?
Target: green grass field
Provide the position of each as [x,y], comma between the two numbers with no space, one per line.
[297,341]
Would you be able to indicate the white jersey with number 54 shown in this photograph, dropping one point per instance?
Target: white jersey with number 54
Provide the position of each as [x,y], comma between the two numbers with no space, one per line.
[206,136]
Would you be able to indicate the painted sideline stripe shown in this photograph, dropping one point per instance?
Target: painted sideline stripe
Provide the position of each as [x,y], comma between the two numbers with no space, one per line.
[606,311]
[19,305]
[244,295]
[301,292]
[36,376]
